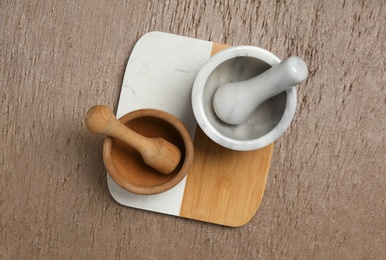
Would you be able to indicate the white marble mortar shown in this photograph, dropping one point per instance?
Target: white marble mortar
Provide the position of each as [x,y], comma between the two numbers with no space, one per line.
[266,124]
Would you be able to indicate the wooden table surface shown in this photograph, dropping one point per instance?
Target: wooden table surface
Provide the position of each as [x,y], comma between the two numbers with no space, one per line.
[325,195]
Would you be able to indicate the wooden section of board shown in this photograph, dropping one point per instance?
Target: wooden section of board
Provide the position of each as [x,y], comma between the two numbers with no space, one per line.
[225,186]
[216,47]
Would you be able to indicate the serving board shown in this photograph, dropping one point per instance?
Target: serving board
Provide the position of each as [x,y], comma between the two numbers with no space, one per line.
[224,187]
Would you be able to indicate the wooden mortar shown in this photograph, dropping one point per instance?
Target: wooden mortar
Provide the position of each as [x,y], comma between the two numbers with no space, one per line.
[126,166]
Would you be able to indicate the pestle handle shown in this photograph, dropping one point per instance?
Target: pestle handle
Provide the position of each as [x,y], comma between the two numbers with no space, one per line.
[280,77]
[156,152]
[235,101]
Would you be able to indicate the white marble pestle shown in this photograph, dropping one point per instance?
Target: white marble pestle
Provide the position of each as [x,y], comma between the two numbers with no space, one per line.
[234,102]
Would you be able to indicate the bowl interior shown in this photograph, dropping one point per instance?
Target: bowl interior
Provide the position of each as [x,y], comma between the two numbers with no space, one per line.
[126,166]
[265,118]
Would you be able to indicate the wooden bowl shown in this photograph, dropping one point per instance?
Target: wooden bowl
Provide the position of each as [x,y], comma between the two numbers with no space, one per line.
[126,166]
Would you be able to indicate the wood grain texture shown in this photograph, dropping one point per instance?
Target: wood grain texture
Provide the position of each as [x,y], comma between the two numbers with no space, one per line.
[325,194]
[224,186]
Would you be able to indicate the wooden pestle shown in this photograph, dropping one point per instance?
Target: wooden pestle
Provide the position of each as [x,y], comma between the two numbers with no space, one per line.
[156,152]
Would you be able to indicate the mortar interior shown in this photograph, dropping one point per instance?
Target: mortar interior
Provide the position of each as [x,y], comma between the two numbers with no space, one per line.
[263,119]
